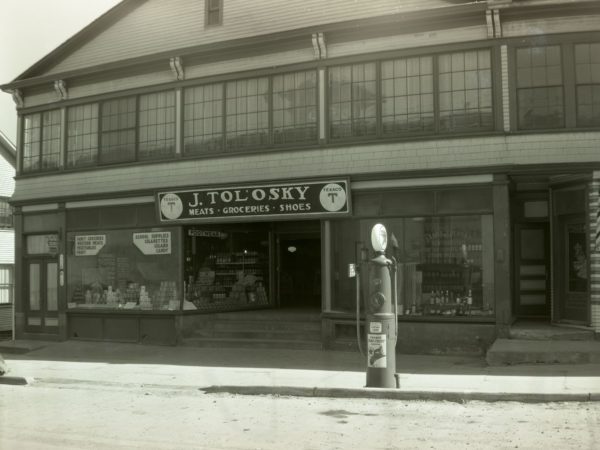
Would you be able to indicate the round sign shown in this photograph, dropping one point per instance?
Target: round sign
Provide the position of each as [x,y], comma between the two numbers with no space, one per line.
[171,206]
[332,197]
[379,238]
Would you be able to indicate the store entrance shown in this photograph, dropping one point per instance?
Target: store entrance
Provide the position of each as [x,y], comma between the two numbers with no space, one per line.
[299,270]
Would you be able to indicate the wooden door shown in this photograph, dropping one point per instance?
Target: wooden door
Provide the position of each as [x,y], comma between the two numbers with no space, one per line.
[41,294]
[532,270]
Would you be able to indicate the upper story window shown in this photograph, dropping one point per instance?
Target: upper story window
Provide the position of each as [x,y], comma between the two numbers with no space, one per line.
[295,107]
[540,100]
[407,95]
[156,138]
[203,119]
[253,113]
[407,104]
[213,12]
[6,216]
[41,141]
[118,125]
[353,100]
[465,85]
[587,78]
[247,113]
[82,135]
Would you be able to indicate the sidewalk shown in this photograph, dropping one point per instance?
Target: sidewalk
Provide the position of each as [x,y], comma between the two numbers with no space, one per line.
[291,372]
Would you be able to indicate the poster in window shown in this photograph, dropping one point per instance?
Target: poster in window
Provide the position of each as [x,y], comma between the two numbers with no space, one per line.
[577,259]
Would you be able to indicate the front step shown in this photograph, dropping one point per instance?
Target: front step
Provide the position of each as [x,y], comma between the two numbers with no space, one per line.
[260,329]
[545,332]
[252,343]
[523,351]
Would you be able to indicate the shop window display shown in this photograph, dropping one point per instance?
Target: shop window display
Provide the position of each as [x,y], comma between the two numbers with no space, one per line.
[124,270]
[227,268]
[445,264]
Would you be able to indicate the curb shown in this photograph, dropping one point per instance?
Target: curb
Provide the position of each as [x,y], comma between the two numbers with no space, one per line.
[15,381]
[394,394]
[318,392]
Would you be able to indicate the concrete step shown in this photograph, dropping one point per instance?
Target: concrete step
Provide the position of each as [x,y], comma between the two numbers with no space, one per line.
[267,326]
[264,335]
[545,332]
[252,343]
[524,351]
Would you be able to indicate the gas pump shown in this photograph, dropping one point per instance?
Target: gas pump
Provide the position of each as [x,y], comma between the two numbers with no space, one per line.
[381,306]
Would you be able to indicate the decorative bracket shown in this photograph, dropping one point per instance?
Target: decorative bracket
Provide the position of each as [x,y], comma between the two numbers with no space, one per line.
[494,26]
[315,44]
[322,46]
[17,96]
[60,86]
[176,64]
[319,47]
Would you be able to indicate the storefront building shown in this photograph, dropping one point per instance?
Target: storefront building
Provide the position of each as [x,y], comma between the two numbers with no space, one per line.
[201,173]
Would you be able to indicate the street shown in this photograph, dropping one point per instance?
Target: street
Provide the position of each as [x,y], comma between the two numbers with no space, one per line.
[90,415]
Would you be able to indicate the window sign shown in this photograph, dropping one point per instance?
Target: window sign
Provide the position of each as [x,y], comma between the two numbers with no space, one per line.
[42,244]
[158,243]
[312,198]
[89,245]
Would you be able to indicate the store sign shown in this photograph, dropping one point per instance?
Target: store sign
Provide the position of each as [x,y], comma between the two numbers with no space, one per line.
[89,244]
[207,233]
[312,198]
[158,243]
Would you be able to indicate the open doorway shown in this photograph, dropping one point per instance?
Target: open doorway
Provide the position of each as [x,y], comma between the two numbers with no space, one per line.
[299,270]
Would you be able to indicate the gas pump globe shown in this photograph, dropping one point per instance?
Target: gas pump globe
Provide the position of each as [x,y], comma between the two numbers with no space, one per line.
[379,238]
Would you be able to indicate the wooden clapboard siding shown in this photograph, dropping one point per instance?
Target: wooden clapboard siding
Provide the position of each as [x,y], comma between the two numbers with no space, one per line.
[7,246]
[7,166]
[6,317]
[160,26]
[552,25]
[368,159]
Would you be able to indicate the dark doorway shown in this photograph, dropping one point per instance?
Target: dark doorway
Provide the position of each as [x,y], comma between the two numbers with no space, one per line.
[299,268]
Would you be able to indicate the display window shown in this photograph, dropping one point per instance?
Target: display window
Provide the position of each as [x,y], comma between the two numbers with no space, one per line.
[133,269]
[227,267]
[445,264]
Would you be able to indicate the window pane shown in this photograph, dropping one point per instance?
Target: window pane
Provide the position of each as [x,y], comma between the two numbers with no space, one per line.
[445,264]
[34,287]
[52,287]
[157,125]
[588,84]
[464,79]
[413,84]
[6,284]
[353,94]
[125,272]
[82,135]
[540,108]
[247,108]
[31,142]
[539,83]
[118,130]
[51,131]
[295,108]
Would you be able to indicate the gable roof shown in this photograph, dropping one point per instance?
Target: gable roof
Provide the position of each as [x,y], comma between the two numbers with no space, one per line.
[136,31]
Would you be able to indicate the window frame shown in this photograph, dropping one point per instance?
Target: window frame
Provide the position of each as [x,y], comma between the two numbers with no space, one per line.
[567,45]
[210,9]
[40,142]
[496,103]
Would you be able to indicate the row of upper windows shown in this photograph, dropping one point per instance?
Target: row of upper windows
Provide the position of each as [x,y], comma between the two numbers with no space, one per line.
[446,93]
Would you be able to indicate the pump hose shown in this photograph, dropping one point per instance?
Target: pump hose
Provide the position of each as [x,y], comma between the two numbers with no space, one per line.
[358,336]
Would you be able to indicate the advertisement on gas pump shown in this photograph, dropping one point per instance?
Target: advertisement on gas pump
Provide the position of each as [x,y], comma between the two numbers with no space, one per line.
[376,345]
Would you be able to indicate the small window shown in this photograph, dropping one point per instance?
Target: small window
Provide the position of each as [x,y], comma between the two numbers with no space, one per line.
[156,136]
[214,12]
[6,217]
[82,135]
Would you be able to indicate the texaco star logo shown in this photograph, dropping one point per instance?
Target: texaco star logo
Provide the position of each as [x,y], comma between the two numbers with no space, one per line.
[171,206]
[332,197]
